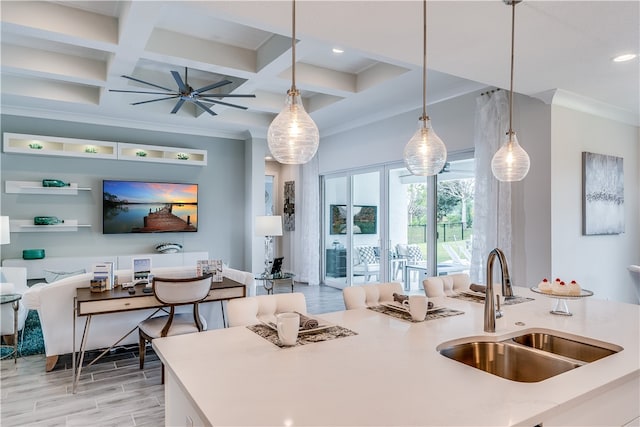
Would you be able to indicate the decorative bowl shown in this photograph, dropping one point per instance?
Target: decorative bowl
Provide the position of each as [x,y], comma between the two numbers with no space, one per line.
[169,248]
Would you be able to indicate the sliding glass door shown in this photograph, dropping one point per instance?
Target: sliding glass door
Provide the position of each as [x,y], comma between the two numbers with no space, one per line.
[409,212]
[385,224]
[352,224]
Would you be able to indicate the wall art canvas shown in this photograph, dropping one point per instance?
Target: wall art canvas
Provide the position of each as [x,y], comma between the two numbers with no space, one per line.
[289,206]
[603,194]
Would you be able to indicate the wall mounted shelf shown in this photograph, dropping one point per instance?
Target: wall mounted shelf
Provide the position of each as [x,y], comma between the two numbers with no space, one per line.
[35,187]
[27,226]
[155,153]
[56,146]
[85,148]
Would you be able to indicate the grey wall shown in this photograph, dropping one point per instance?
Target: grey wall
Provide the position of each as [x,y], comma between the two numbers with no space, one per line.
[222,204]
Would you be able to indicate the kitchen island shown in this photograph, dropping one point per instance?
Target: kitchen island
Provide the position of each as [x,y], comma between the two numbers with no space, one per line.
[390,373]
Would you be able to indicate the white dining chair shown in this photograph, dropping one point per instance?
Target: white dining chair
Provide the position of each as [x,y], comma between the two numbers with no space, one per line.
[246,311]
[441,286]
[173,292]
[363,296]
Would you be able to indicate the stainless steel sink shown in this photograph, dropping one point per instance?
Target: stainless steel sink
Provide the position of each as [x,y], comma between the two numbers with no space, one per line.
[530,357]
[564,346]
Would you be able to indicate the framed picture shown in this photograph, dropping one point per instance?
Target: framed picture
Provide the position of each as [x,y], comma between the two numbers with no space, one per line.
[141,268]
[289,206]
[602,194]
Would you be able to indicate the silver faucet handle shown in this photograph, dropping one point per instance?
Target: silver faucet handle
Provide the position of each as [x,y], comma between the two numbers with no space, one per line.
[498,311]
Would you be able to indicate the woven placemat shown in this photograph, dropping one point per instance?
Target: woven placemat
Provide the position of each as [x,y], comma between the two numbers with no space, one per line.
[324,335]
[480,299]
[431,315]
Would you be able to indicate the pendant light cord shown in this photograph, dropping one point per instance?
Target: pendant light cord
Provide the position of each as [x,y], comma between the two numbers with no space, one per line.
[513,25]
[424,62]
[293,47]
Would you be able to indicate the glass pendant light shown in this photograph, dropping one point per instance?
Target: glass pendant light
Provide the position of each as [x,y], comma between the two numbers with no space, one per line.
[511,162]
[425,154]
[293,137]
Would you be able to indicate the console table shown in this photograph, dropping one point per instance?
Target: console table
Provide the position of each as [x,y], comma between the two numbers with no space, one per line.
[87,303]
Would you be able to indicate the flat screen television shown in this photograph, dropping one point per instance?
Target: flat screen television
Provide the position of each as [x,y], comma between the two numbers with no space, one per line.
[365,219]
[148,207]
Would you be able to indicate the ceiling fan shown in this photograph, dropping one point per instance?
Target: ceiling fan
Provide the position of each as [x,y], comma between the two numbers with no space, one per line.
[186,93]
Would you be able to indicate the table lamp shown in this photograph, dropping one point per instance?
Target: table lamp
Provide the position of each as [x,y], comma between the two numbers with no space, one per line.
[5,237]
[268,226]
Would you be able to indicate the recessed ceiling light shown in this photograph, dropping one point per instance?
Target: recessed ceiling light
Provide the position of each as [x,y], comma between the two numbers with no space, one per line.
[337,50]
[624,58]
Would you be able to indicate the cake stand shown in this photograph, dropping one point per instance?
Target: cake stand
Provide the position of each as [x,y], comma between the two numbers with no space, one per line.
[561,308]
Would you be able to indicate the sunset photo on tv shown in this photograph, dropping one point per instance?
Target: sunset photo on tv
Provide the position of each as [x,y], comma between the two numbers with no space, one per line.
[149,207]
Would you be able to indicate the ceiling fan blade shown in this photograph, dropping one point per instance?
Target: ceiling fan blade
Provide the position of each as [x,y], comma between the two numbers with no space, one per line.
[204,107]
[178,105]
[227,104]
[213,86]
[226,95]
[178,79]
[154,100]
[140,91]
[147,83]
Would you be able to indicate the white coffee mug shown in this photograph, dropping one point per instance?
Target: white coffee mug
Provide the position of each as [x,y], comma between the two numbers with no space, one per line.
[417,306]
[288,325]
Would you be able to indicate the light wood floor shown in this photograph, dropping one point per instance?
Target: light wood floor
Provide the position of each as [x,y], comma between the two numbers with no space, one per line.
[113,392]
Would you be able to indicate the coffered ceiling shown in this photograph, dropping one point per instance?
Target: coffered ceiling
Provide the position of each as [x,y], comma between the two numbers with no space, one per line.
[60,59]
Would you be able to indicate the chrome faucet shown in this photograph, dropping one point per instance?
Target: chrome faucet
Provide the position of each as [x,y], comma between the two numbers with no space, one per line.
[507,292]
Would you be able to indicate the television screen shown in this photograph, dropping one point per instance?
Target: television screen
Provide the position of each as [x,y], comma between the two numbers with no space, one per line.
[364,219]
[148,207]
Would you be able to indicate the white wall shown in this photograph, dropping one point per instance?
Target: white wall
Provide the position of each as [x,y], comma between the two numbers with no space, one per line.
[598,263]
[531,201]
[222,207]
[546,205]
[384,141]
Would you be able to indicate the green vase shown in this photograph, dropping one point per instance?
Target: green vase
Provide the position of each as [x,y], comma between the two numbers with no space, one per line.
[47,220]
[54,183]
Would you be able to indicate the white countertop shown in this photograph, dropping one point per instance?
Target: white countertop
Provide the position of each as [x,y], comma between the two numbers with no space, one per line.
[390,373]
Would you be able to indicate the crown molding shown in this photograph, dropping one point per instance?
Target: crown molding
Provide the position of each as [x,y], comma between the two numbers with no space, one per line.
[587,105]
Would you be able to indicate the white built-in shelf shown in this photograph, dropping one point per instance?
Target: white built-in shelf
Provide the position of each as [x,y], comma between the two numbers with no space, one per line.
[154,153]
[57,146]
[27,226]
[85,148]
[35,187]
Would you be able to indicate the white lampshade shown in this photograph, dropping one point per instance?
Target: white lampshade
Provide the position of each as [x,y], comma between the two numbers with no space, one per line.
[425,154]
[293,137]
[5,236]
[269,225]
[511,162]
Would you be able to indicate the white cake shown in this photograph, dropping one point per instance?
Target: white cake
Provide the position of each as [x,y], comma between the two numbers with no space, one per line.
[559,288]
[574,288]
[545,286]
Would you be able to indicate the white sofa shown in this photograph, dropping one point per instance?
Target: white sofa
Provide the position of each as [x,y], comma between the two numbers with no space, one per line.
[54,303]
[13,280]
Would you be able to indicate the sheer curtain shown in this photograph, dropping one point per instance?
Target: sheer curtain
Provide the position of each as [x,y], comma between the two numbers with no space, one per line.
[492,203]
[307,235]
